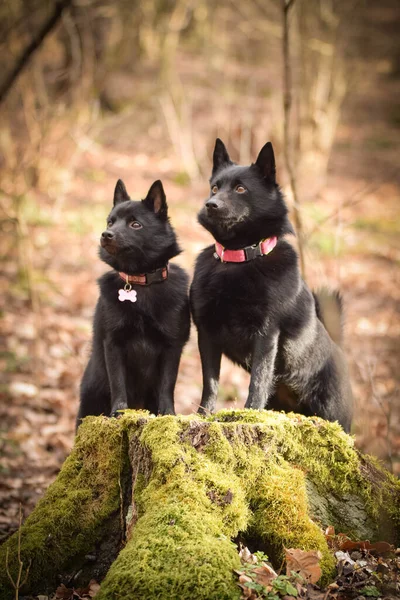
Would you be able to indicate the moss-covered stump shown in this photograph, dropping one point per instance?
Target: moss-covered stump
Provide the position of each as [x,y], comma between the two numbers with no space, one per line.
[152,506]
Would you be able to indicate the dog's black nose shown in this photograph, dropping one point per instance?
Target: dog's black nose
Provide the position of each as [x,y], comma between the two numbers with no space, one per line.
[212,204]
[107,235]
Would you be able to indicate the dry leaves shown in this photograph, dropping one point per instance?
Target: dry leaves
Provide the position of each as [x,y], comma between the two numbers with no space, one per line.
[265,575]
[361,573]
[379,547]
[305,563]
[342,542]
[64,593]
[256,576]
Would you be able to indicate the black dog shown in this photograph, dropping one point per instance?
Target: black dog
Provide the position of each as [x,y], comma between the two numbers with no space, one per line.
[249,302]
[142,318]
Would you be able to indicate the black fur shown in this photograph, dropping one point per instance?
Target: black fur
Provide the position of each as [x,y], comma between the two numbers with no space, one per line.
[260,313]
[137,346]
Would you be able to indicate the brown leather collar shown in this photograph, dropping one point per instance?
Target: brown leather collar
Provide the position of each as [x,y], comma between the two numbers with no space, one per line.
[156,276]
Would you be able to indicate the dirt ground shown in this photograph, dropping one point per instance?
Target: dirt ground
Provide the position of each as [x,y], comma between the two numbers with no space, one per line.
[48,283]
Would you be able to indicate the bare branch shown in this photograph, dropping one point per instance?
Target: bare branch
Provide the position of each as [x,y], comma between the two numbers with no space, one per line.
[34,45]
[353,199]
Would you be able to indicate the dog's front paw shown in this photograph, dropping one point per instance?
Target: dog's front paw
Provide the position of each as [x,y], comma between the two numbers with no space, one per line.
[166,409]
[117,413]
[255,403]
[207,406]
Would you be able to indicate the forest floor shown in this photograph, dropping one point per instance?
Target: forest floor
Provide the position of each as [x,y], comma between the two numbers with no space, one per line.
[48,284]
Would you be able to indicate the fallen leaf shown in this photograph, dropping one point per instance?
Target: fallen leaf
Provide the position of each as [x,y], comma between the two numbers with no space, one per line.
[344,557]
[333,586]
[64,593]
[246,556]
[265,575]
[22,388]
[380,547]
[329,531]
[345,564]
[306,563]
[330,536]
[247,593]
[94,587]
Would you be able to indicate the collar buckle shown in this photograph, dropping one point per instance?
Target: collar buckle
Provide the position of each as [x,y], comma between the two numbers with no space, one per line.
[219,256]
[152,276]
[253,251]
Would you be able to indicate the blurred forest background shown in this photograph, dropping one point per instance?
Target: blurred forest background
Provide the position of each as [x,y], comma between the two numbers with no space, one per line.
[139,91]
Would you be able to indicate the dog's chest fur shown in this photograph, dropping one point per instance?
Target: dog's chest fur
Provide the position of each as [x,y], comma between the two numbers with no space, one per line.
[154,317]
[236,302]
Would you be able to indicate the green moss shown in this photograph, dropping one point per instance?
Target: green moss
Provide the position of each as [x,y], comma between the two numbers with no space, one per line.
[66,521]
[168,557]
[281,515]
[197,484]
[237,478]
[244,416]
[383,498]
[192,504]
[325,454]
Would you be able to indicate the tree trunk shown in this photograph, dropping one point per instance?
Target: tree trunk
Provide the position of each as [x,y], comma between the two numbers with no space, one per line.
[150,506]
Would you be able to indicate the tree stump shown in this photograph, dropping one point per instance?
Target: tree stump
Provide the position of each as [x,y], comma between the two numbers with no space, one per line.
[153,507]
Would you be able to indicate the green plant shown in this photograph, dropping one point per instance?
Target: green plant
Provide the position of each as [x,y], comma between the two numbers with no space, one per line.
[257,575]
[283,586]
[370,590]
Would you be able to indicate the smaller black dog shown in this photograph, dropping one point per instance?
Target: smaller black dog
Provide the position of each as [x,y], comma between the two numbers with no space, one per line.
[249,302]
[142,317]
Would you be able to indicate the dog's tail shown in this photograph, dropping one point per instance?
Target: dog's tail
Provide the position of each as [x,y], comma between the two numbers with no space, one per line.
[329,308]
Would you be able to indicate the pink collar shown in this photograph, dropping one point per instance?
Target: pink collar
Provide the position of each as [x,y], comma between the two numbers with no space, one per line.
[248,253]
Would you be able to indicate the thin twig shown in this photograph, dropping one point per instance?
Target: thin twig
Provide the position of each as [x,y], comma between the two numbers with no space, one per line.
[10,577]
[34,45]
[121,495]
[287,105]
[17,585]
[204,410]
[352,200]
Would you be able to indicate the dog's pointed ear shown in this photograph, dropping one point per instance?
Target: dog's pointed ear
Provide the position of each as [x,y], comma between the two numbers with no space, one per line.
[156,200]
[220,156]
[266,162]
[120,193]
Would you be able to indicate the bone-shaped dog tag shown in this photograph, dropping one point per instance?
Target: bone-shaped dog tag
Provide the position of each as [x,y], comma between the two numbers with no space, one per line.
[130,295]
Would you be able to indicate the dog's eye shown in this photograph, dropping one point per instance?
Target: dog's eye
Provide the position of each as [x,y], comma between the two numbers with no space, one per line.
[109,223]
[240,189]
[214,189]
[135,225]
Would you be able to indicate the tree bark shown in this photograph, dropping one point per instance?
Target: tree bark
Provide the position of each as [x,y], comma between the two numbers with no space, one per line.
[150,506]
[287,106]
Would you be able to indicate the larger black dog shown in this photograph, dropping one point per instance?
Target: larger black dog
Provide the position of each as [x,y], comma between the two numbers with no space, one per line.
[249,302]
[142,318]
